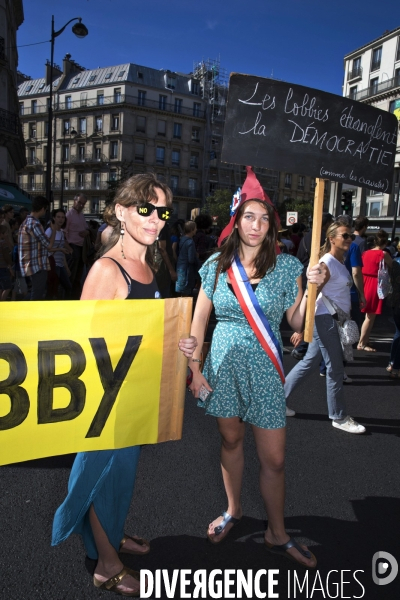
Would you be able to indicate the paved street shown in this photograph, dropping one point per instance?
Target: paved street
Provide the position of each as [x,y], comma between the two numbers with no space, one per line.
[343,499]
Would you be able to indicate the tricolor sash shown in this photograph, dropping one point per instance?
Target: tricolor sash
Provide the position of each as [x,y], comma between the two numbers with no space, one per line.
[255,315]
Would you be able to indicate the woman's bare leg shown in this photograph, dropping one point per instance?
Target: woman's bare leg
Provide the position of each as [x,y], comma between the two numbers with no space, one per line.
[108,563]
[270,445]
[366,329]
[232,432]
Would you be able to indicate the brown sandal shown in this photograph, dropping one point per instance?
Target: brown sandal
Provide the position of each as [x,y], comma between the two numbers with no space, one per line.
[111,584]
[138,540]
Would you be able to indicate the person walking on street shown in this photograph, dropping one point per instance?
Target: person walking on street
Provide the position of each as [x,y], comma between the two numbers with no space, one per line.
[34,247]
[360,228]
[373,306]
[326,342]
[75,231]
[187,263]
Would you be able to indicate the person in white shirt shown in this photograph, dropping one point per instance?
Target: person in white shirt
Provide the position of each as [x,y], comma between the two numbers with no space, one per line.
[326,342]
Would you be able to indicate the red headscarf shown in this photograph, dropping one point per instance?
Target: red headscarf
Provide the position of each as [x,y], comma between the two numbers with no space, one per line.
[251,190]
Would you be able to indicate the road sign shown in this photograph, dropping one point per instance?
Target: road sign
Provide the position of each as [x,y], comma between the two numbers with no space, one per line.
[292,217]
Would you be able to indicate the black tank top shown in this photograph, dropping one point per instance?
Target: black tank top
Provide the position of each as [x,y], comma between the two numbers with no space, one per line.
[137,290]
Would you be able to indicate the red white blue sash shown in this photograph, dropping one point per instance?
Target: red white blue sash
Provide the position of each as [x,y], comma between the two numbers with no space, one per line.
[255,315]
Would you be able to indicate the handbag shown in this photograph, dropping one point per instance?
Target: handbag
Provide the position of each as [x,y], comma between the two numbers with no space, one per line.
[348,332]
[347,328]
[383,280]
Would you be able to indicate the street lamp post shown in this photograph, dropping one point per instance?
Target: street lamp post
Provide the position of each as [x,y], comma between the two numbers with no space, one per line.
[72,132]
[81,31]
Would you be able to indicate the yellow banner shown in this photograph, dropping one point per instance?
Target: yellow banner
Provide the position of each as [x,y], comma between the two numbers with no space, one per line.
[90,375]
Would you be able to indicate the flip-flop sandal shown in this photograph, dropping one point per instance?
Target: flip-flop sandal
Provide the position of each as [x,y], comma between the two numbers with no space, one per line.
[366,348]
[220,528]
[111,584]
[138,540]
[283,551]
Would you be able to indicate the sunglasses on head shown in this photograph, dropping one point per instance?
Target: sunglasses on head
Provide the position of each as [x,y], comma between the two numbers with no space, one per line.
[164,213]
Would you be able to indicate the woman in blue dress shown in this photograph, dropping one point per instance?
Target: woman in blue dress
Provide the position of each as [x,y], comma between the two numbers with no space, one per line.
[242,381]
[101,482]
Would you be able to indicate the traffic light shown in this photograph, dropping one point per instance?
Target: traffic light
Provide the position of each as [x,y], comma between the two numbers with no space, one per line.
[347,202]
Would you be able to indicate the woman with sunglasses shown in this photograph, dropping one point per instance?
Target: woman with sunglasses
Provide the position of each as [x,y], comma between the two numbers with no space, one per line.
[101,482]
[326,342]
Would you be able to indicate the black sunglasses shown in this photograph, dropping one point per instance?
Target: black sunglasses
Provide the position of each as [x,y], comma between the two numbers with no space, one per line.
[164,213]
[346,236]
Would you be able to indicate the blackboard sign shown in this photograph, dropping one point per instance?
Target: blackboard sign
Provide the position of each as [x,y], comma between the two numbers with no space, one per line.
[289,127]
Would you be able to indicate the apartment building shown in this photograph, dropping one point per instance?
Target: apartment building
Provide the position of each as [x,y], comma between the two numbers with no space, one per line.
[372,76]
[114,121]
[12,149]
[109,122]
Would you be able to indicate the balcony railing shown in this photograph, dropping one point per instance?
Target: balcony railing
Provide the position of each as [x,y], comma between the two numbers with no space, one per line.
[88,158]
[102,185]
[9,122]
[132,100]
[29,110]
[354,74]
[32,162]
[374,90]
[33,187]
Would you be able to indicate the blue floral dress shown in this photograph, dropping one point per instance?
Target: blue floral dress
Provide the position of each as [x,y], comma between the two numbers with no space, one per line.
[245,383]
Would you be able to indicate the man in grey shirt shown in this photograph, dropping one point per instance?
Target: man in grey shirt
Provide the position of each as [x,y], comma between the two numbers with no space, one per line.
[360,227]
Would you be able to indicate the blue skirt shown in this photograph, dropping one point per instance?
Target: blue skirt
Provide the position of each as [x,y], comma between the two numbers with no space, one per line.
[106,479]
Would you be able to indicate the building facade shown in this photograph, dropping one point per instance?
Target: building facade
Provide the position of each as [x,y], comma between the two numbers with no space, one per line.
[12,148]
[116,121]
[372,76]
[110,122]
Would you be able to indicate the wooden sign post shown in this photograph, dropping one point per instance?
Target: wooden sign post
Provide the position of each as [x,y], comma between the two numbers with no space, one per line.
[314,257]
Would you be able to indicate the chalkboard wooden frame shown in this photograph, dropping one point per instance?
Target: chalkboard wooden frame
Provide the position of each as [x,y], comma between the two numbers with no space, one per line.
[288,127]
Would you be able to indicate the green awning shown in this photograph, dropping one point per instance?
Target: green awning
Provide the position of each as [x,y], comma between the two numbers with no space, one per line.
[10,194]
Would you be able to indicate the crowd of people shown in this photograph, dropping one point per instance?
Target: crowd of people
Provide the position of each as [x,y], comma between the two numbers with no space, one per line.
[252,273]
[43,254]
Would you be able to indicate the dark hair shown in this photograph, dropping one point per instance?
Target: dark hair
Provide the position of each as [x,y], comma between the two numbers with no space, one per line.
[327,218]
[7,208]
[38,203]
[57,210]
[381,238]
[203,221]
[135,191]
[265,260]
[295,228]
[360,223]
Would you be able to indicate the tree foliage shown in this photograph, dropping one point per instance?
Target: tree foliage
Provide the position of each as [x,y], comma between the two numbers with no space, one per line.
[218,205]
[305,210]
